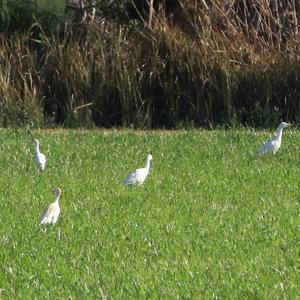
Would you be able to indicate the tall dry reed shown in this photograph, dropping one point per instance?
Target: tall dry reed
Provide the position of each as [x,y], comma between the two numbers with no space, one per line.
[207,64]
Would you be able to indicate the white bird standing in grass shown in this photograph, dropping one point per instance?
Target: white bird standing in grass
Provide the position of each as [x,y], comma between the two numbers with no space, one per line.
[273,144]
[51,214]
[40,158]
[139,175]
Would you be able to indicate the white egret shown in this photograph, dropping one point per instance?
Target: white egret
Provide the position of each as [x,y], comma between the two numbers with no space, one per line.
[40,158]
[51,214]
[273,144]
[139,175]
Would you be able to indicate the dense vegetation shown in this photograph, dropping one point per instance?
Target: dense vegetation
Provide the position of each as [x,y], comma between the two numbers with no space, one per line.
[211,221]
[201,63]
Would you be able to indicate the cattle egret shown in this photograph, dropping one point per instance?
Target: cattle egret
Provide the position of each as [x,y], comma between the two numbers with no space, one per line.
[39,157]
[139,175]
[273,144]
[51,214]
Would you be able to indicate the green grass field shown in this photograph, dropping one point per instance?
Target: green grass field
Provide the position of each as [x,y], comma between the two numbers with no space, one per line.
[212,221]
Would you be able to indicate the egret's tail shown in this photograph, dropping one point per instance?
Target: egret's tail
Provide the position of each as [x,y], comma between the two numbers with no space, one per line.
[44,220]
[48,219]
[261,150]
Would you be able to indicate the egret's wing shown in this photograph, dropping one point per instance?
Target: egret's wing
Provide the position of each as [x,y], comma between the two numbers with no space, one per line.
[55,216]
[136,177]
[131,178]
[268,146]
[141,175]
[40,160]
[48,214]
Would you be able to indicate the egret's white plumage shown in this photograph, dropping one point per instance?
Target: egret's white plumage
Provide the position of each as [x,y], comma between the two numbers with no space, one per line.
[273,144]
[52,212]
[40,158]
[139,175]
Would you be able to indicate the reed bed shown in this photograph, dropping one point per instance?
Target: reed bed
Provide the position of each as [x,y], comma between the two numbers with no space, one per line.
[206,64]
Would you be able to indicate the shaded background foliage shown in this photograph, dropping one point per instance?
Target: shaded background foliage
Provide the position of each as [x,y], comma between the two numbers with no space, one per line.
[150,64]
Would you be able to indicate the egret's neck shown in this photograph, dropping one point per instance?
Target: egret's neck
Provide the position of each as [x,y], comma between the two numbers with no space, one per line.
[57,198]
[37,148]
[279,134]
[147,164]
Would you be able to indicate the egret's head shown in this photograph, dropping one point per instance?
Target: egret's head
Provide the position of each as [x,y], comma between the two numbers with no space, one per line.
[283,125]
[56,192]
[149,157]
[35,142]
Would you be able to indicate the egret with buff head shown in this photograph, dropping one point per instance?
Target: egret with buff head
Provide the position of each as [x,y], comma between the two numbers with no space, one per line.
[51,214]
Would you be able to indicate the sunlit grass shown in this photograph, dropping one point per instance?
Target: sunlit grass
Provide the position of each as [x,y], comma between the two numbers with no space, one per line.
[211,221]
